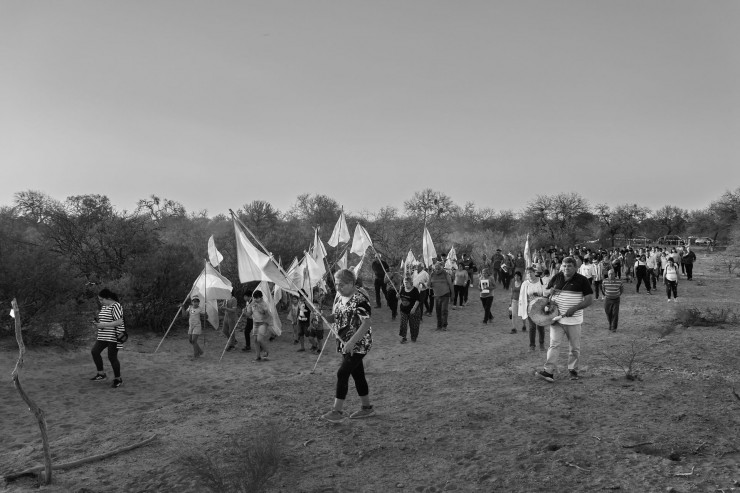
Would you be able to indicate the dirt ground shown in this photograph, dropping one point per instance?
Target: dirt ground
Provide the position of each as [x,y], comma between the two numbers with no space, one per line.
[456,411]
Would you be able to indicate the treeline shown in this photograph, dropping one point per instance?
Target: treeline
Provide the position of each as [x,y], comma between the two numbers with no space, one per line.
[55,255]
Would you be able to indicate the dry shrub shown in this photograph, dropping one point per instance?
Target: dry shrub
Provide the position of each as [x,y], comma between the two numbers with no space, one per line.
[707,317]
[243,465]
[629,357]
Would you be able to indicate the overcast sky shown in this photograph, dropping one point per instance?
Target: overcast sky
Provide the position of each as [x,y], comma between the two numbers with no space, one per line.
[216,104]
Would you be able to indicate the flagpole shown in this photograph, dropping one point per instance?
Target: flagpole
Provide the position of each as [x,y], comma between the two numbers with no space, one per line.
[205,300]
[231,335]
[179,309]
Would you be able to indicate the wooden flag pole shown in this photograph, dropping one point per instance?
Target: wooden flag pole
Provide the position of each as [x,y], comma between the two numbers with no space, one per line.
[176,314]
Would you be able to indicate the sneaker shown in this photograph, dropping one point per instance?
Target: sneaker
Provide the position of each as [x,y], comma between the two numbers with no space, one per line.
[365,412]
[524,329]
[573,374]
[403,340]
[333,416]
[544,375]
[259,358]
[649,292]
[117,382]
[246,349]
[99,377]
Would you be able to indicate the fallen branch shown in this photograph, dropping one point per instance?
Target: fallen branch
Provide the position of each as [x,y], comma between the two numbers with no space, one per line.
[570,464]
[305,444]
[79,462]
[32,406]
[685,473]
[637,445]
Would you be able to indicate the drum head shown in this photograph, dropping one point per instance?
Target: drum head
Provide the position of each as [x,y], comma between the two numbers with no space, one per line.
[542,311]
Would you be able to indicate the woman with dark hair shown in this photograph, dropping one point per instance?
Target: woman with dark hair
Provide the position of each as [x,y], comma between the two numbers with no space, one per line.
[351,320]
[111,335]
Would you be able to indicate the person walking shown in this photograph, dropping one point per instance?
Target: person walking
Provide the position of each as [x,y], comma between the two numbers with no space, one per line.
[487,284]
[531,289]
[421,283]
[571,292]
[410,310]
[351,320]
[380,267]
[110,335]
[689,259]
[461,282]
[641,274]
[441,284]
[599,275]
[496,260]
[612,289]
[195,325]
[231,315]
[516,319]
[670,278]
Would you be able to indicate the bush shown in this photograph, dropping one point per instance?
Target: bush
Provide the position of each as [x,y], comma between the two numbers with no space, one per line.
[244,465]
[695,317]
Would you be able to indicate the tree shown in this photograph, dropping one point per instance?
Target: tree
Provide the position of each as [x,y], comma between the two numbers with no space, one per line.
[259,216]
[428,205]
[671,218]
[630,217]
[560,217]
[159,209]
[316,210]
[610,224]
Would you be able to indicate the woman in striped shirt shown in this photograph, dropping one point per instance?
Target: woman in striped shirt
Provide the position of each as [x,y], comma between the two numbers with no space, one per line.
[110,328]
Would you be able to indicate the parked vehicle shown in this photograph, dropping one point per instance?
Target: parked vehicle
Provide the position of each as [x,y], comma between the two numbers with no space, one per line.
[640,241]
[701,240]
[671,240]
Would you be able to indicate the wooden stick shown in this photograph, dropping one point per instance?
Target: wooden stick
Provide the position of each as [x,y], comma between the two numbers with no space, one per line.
[79,462]
[37,411]
[685,473]
[637,445]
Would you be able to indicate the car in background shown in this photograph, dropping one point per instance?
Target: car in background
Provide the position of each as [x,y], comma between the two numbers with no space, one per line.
[671,240]
[701,240]
[639,241]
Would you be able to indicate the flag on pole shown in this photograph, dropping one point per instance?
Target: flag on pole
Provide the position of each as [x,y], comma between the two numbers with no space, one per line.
[451,259]
[342,262]
[211,287]
[318,252]
[428,251]
[214,256]
[527,255]
[356,268]
[271,304]
[340,233]
[315,270]
[12,313]
[255,265]
[360,241]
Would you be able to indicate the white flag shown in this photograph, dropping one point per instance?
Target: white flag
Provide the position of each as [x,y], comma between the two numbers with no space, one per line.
[211,287]
[340,233]
[360,241]
[342,262]
[318,252]
[428,251]
[527,255]
[214,256]
[357,267]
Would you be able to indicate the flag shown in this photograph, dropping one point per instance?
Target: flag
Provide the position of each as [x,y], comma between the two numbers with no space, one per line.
[210,286]
[315,271]
[360,241]
[451,259]
[318,252]
[270,300]
[340,233]
[255,265]
[12,313]
[527,255]
[342,262]
[214,256]
[356,268]
[428,251]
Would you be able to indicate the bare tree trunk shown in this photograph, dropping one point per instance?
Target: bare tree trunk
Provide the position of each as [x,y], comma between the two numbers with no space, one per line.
[31,405]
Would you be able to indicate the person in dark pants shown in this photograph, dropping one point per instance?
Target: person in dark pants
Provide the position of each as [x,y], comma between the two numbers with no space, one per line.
[380,267]
[612,289]
[247,322]
[110,327]
[410,310]
[688,262]
[391,296]
[442,285]
[496,260]
[641,274]
[487,284]
[351,325]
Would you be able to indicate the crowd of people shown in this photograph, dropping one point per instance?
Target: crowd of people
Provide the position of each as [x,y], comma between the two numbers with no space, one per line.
[570,282]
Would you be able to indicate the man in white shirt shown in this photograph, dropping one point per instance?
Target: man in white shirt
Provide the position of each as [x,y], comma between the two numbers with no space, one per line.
[421,282]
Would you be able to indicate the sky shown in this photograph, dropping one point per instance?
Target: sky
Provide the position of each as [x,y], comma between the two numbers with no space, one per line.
[217,104]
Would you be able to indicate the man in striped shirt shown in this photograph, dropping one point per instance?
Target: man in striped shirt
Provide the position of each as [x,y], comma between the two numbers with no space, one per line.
[571,292]
[612,288]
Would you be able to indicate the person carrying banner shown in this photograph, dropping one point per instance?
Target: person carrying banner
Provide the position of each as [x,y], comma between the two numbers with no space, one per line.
[380,267]
[195,325]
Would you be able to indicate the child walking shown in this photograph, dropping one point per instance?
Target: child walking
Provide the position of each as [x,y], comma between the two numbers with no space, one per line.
[262,324]
[351,320]
[195,326]
[316,331]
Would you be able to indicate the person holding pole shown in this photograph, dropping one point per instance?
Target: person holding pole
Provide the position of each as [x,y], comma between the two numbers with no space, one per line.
[262,317]
[195,326]
[351,322]
[380,267]
[231,315]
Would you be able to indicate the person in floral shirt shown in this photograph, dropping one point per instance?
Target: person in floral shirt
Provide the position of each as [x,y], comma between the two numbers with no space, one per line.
[350,320]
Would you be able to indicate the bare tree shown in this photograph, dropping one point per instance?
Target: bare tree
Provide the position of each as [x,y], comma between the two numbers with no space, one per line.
[429,204]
